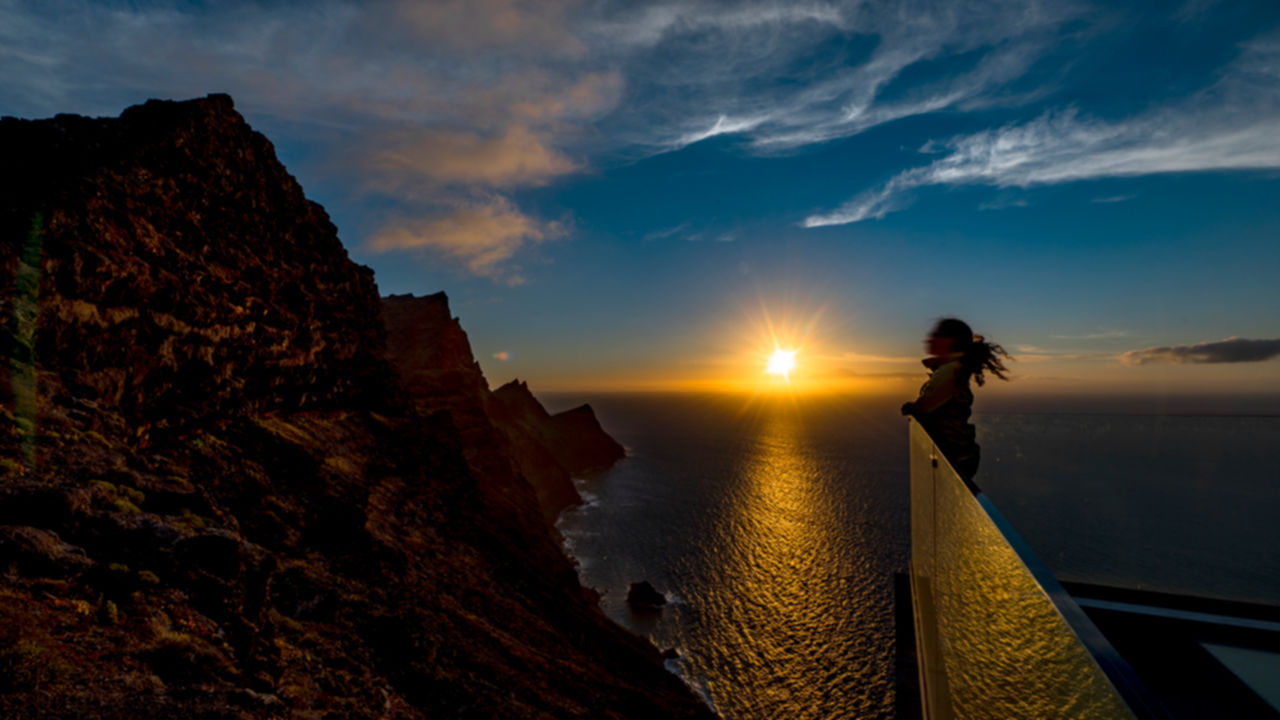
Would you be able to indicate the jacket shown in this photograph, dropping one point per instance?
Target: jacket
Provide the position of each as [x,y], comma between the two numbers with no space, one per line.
[944,405]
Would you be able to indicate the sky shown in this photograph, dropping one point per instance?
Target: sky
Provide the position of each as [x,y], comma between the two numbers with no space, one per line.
[653,196]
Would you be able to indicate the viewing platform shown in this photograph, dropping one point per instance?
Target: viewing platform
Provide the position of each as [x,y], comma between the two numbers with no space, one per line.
[996,635]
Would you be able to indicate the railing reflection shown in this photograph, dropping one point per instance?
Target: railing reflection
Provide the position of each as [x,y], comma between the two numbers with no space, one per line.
[996,635]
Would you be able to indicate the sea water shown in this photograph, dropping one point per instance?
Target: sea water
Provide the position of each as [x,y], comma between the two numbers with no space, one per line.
[775,525]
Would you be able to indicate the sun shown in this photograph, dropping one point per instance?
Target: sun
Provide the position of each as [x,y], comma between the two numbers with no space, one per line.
[782,362]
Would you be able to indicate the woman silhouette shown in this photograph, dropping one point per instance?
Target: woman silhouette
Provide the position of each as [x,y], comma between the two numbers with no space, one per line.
[944,402]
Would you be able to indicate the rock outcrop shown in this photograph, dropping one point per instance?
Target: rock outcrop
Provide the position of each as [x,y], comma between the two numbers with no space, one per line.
[507,431]
[219,496]
[574,437]
[643,596]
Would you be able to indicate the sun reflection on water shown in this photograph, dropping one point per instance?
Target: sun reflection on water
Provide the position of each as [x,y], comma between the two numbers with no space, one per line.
[781,548]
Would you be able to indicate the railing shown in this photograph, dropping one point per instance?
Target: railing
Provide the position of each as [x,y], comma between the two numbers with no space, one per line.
[996,635]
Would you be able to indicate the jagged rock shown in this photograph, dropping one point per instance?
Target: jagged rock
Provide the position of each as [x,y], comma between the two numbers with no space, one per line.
[39,553]
[643,596]
[263,500]
[510,436]
[573,437]
[584,445]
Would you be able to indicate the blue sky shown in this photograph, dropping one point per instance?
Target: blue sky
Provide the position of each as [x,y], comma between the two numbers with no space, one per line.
[629,194]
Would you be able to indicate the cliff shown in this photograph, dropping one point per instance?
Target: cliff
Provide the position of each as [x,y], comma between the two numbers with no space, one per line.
[570,443]
[225,492]
[430,349]
[508,433]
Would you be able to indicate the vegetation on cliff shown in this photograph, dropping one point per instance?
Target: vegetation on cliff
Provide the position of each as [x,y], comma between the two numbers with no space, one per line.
[225,492]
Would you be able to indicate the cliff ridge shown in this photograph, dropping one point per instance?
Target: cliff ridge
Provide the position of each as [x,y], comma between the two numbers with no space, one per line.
[229,489]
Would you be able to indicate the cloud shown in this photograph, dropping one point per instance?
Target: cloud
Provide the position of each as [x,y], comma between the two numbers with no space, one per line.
[1033,354]
[664,233]
[1100,335]
[452,101]
[1113,199]
[422,160]
[484,238]
[850,373]
[861,358]
[1003,203]
[1231,350]
[443,102]
[1227,126]
[787,74]
[486,25]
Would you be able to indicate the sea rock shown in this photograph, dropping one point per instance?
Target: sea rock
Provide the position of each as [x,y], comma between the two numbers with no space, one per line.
[643,596]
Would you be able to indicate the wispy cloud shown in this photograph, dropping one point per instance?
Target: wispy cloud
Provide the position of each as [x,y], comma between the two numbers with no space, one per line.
[785,75]
[1004,202]
[1034,354]
[1113,199]
[862,358]
[1100,335]
[1228,126]
[664,233]
[1231,350]
[484,238]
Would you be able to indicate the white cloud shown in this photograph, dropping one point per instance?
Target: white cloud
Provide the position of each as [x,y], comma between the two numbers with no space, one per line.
[785,75]
[1230,125]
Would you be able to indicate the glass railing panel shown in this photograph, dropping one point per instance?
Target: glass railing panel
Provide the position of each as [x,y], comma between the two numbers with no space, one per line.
[993,644]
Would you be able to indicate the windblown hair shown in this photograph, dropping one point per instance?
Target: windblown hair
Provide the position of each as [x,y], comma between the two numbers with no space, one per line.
[979,355]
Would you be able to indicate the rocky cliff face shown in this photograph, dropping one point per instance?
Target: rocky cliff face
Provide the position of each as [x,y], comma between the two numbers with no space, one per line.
[219,497]
[552,449]
[510,436]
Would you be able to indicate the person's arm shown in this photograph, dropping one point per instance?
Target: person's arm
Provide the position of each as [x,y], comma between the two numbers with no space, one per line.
[940,388]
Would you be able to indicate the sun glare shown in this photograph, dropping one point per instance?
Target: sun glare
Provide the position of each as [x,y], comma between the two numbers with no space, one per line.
[782,362]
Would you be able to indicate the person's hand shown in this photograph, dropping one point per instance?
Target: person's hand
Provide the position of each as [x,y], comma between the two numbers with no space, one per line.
[908,408]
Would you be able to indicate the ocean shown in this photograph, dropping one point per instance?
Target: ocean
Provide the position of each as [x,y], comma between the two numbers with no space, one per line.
[774,526]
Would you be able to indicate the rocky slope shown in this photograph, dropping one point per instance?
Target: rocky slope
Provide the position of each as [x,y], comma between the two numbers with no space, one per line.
[218,495]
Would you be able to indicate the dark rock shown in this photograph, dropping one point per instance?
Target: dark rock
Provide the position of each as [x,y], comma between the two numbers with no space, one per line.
[643,596]
[185,659]
[510,437]
[216,552]
[583,445]
[574,437]
[40,553]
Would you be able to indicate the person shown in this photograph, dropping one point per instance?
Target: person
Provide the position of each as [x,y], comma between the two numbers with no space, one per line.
[945,400]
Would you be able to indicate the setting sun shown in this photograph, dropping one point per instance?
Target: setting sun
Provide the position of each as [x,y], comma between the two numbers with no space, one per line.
[782,362]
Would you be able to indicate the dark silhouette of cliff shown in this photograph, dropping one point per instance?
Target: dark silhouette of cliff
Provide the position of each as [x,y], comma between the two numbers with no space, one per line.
[430,348]
[221,495]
